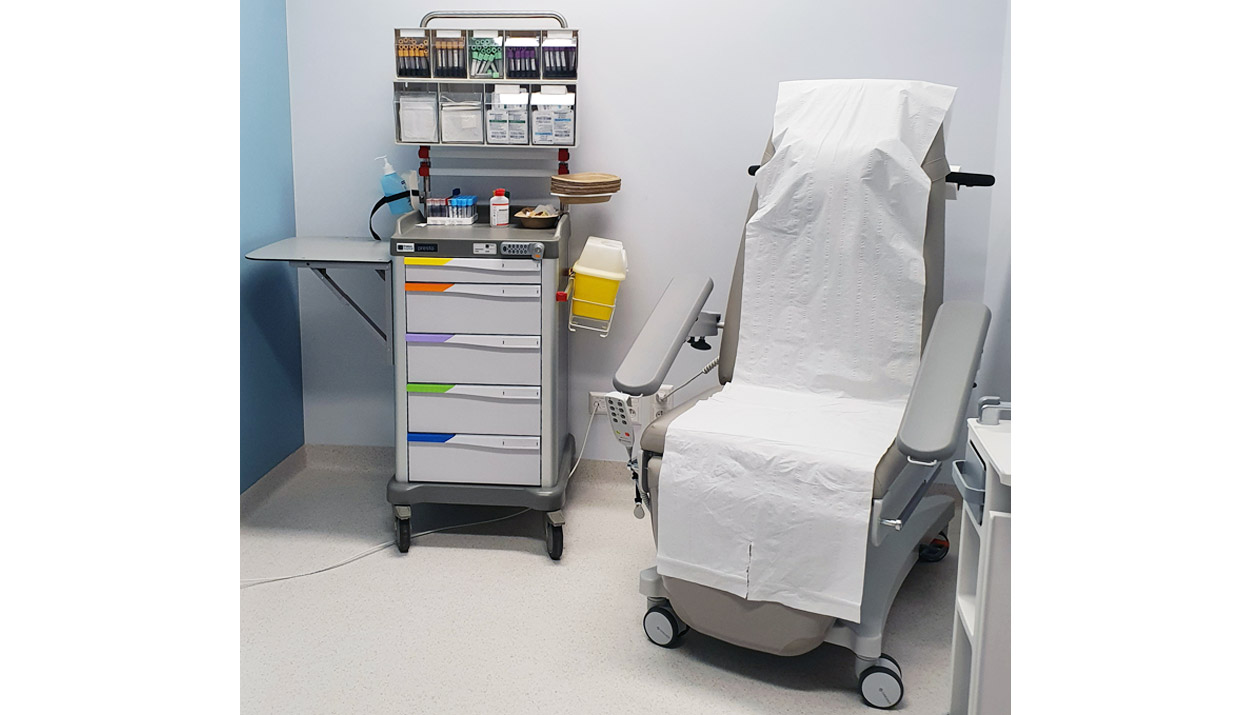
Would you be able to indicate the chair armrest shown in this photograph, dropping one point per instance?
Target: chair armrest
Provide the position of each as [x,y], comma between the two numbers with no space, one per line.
[652,354]
[939,397]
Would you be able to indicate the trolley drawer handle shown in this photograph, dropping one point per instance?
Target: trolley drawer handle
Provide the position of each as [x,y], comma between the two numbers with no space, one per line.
[510,342]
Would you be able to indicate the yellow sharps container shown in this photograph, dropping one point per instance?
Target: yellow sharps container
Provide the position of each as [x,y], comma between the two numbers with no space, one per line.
[597,276]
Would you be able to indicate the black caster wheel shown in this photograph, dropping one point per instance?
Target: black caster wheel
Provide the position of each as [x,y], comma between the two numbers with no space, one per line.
[887,661]
[555,540]
[403,534]
[935,550]
[880,686]
[662,627]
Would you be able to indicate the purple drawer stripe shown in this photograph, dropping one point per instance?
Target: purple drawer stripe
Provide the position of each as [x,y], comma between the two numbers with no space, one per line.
[427,338]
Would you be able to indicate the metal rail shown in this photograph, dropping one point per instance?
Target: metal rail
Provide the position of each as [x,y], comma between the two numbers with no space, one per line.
[490,15]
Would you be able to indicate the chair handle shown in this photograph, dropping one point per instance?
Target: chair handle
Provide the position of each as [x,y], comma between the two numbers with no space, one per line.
[959,178]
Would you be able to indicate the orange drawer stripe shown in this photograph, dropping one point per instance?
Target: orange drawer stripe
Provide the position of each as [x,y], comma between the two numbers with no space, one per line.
[427,287]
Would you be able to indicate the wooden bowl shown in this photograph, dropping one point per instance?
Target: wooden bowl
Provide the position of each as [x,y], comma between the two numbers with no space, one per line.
[541,222]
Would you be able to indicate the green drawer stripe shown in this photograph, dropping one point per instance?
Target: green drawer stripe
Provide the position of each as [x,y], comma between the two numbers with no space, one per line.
[425,387]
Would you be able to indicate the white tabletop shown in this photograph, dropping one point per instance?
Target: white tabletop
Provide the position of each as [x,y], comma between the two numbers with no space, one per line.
[325,249]
[994,443]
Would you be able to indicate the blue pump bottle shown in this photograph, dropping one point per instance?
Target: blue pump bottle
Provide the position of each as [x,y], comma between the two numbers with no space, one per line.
[393,184]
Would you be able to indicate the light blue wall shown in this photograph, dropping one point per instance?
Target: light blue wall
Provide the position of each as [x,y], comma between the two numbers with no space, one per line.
[271,404]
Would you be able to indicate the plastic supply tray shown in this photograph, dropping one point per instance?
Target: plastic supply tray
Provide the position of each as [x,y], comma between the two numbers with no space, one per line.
[969,477]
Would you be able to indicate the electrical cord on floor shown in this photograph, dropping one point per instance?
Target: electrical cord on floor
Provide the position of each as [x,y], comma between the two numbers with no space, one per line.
[248,582]
[590,423]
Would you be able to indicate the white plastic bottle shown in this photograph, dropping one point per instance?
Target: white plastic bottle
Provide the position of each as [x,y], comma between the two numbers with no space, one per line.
[499,210]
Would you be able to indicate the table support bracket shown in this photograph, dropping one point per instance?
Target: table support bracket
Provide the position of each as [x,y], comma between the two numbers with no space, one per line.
[338,291]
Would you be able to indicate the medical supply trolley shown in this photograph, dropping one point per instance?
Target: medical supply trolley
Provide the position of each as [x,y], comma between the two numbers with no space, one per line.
[480,313]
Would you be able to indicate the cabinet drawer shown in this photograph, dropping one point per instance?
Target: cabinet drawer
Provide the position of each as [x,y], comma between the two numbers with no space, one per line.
[480,409]
[474,359]
[491,308]
[474,459]
[472,270]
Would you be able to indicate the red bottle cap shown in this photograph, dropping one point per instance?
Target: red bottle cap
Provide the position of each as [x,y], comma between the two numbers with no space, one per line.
[499,192]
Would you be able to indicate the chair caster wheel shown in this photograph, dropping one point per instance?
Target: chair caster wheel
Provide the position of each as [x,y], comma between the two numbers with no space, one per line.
[403,534]
[881,686]
[555,540]
[935,550]
[662,626]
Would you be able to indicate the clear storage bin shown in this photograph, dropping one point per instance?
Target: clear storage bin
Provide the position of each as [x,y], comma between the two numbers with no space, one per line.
[559,54]
[460,116]
[416,107]
[552,118]
[507,114]
[521,60]
[412,53]
[486,54]
[449,54]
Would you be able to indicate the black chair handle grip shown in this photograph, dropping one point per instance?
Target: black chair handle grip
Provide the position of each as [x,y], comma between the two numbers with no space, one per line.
[963,178]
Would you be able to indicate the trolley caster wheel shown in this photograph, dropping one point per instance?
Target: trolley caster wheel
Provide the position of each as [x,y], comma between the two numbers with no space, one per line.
[935,550]
[662,627]
[403,534]
[881,686]
[555,540]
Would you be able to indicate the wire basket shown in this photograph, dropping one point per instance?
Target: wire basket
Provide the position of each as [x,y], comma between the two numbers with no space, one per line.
[585,322]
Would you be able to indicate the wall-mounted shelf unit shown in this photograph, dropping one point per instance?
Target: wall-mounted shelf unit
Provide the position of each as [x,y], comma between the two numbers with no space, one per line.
[457,86]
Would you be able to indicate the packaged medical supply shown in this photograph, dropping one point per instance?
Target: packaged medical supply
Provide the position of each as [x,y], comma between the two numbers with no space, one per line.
[392,184]
[460,117]
[553,116]
[496,124]
[499,208]
[506,115]
[418,116]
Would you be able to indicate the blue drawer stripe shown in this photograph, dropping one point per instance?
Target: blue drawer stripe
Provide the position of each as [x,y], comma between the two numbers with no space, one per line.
[428,437]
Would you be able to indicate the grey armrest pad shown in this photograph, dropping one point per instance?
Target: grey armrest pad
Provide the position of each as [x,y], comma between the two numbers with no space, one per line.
[652,354]
[939,397]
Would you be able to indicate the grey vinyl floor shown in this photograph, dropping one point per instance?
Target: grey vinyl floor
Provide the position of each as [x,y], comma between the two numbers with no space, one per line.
[479,620]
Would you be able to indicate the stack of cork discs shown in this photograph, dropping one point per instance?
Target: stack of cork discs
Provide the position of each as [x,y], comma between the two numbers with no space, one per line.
[588,187]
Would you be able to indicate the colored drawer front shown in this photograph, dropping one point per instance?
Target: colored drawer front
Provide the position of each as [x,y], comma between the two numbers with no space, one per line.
[474,359]
[474,459]
[479,409]
[486,308]
[472,270]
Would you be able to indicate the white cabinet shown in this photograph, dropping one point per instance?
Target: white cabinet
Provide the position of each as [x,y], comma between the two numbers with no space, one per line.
[480,367]
[981,652]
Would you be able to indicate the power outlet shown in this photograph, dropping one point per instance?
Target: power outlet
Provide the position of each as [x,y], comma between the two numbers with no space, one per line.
[598,403]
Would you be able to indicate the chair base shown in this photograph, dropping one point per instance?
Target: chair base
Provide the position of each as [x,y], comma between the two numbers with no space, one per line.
[781,630]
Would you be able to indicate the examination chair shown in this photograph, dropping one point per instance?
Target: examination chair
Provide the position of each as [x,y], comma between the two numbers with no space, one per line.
[906,525]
